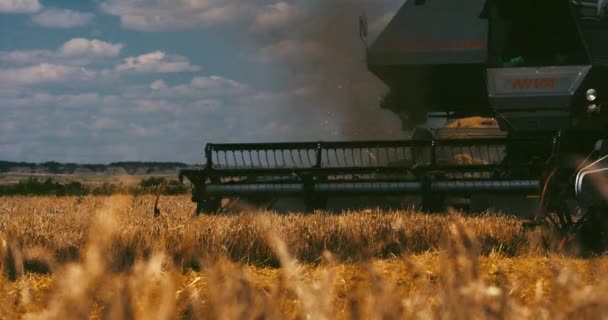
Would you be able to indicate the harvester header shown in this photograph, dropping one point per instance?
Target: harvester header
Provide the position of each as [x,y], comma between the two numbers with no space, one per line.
[319,170]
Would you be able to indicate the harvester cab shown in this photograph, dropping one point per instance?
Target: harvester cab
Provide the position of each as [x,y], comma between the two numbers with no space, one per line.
[536,69]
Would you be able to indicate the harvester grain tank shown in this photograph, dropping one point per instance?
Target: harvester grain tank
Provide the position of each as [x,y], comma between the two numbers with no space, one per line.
[538,67]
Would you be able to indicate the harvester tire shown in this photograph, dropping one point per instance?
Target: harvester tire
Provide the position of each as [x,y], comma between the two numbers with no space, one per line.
[592,234]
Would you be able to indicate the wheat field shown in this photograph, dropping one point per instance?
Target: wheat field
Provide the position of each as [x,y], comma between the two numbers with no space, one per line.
[110,258]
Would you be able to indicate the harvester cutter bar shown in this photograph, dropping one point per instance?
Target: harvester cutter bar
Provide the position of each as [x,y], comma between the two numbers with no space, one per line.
[375,187]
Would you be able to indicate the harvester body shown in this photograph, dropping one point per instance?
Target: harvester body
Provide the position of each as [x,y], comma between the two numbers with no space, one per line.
[529,64]
[538,68]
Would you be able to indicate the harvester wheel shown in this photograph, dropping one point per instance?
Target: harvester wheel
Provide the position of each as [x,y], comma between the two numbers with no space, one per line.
[209,206]
[583,235]
[554,202]
[591,232]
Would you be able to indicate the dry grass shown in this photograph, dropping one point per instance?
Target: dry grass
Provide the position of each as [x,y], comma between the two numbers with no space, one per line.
[76,258]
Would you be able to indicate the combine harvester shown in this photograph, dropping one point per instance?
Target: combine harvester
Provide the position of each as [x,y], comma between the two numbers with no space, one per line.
[538,67]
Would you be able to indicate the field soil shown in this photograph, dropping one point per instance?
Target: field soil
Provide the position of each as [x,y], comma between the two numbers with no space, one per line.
[110,258]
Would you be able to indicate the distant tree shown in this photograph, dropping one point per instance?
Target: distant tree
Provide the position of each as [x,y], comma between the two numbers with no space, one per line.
[6,166]
[48,187]
[53,167]
[74,189]
[70,168]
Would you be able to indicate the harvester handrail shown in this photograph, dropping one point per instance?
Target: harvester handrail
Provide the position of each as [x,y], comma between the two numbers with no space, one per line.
[356,144]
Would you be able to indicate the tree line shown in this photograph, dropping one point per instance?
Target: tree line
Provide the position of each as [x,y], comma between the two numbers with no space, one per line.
[50,187]
[69,168]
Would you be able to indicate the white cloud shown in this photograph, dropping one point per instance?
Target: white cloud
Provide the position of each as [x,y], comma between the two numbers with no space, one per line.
[146,105]
[43,73]
[159,15]
[105,123]
[202,86]
[158,85]
[41,99]
[216,83]
[98,48]
[157,62]
[77,51]
[156,15]
[63,18]
[275,15]
[20,6]
[221,14]
[26,56]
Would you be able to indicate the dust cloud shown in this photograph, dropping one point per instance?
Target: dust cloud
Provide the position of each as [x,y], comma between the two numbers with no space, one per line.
[322,57]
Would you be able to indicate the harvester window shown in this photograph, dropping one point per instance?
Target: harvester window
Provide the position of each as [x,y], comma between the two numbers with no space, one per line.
[591,9]
[533,33]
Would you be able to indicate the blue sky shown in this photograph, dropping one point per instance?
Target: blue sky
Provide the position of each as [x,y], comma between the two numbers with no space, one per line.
[154,80]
